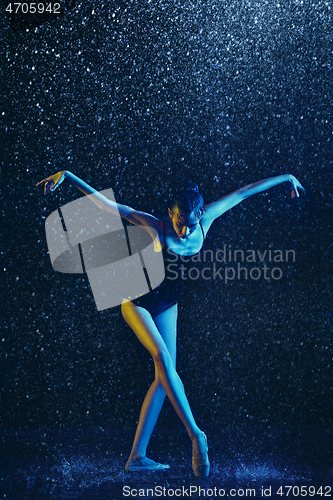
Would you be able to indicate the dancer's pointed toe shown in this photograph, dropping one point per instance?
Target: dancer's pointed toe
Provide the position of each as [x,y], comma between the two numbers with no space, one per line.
[200,461]
[145,464]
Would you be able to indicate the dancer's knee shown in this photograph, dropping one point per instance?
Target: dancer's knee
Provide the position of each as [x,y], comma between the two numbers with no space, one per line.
[163,361]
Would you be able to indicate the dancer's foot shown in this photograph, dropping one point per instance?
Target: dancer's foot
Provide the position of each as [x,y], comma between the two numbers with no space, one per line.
[144,463]
[200,462]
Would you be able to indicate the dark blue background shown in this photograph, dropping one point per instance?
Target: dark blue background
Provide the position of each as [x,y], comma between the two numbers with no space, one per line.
[138,96]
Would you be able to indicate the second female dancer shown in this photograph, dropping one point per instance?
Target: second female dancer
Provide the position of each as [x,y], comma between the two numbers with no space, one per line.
[153,317]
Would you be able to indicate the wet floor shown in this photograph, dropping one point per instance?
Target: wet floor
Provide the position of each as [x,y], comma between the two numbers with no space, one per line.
[74,465]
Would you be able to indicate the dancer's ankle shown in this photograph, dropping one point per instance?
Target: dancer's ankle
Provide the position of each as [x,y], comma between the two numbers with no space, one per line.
[134,457]
[196,435]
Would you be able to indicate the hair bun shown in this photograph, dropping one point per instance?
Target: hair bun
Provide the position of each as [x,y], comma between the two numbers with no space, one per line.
[187,199]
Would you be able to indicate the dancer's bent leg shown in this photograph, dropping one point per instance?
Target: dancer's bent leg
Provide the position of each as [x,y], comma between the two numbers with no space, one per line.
[145,329]
[166,324]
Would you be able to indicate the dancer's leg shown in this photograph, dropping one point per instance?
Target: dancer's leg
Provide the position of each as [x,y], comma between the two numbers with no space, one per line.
[166,323]
[146,330]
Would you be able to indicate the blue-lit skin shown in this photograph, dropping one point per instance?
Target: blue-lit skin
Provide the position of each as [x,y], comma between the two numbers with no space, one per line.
[183,226]
[158,335]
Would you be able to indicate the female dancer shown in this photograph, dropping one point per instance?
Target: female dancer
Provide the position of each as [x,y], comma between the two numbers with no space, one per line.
[153,317]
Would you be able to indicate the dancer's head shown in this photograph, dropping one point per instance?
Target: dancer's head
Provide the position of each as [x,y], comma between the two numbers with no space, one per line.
[186,209]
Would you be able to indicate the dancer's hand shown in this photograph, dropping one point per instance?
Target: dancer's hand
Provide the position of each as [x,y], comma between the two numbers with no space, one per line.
[297,187]
[51,183]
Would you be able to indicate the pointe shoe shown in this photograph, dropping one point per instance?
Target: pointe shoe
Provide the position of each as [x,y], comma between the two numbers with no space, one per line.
[200,462]
[144,463]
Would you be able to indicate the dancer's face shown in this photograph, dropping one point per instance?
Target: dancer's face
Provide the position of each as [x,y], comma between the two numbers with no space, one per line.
[183,224]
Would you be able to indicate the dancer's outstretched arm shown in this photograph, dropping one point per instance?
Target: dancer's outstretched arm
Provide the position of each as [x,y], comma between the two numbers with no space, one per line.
[219,207]
[134,216]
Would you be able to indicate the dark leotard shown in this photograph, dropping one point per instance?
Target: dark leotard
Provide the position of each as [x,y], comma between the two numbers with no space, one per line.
[168,292]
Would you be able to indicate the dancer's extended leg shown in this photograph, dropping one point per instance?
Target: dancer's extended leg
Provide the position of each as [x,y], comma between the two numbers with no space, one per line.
[166,324]
[146,330]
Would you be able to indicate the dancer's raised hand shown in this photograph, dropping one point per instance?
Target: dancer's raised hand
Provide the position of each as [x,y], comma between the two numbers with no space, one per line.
[297,187]
[51,183]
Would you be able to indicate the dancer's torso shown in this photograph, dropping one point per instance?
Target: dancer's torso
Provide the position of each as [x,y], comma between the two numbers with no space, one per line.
[168,292]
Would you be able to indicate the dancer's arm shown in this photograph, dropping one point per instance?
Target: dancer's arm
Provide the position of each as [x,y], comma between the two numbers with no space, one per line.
[219,207]
[134,216]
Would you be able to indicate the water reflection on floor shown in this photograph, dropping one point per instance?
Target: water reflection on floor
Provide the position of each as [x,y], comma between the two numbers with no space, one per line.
[70,473]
